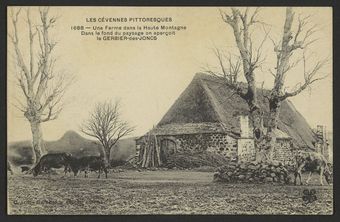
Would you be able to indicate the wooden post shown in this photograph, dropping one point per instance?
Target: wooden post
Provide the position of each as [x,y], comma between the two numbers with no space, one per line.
[146,151]
[152,155]
[148,155]
[158,159]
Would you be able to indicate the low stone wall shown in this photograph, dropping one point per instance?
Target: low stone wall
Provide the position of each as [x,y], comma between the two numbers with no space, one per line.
[251,172]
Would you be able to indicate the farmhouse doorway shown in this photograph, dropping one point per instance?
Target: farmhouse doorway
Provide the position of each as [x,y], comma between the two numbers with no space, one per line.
[168,147]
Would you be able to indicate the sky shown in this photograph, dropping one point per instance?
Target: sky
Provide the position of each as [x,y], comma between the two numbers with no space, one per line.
[148,76]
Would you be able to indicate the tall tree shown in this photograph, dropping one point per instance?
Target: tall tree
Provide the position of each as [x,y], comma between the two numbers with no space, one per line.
[105,124]
[250,57]
[292,41]
[42,87]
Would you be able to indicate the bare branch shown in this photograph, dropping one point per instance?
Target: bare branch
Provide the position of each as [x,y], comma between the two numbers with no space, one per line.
[15,41]
[106,125]
[31,35]
[253,17]
[53,114]
[228,76]
[309,76]
[42,87]
[20,106]
[272,73]
[290,43]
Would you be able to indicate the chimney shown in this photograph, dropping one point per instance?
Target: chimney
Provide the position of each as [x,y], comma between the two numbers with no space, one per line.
[323,143]
[320,132]
[244,125]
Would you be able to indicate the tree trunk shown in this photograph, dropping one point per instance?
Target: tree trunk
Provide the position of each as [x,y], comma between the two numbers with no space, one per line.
[274,112]
[256,116]
[38,149]
[106,153]
[257,120]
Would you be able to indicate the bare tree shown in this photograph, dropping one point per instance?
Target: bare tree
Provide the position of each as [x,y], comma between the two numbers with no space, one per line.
[42,87]
[250,58]
[106,125]
[284,50]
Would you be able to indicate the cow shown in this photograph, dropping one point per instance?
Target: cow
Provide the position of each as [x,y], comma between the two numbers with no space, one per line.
[312,162]
[52,160]
[88,163]
[9,168]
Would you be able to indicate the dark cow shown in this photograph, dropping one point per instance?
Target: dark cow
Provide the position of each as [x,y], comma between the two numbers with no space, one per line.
[52,160]
[312,162]
[88,163]
[9,168]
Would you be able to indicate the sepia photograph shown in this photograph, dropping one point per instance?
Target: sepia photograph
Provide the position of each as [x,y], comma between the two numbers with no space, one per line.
[125,110]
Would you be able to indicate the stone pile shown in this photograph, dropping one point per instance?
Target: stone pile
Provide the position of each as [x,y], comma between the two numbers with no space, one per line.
[252,172]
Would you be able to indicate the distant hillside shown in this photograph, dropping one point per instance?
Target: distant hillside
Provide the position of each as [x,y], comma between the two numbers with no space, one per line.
[21,152]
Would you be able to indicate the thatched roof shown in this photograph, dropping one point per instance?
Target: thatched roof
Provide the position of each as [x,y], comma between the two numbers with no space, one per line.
[201,128]
[188,128]
[208,100]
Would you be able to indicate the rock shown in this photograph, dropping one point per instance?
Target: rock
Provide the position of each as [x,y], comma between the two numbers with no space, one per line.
[252,167]
[282,177]
[264,166]
[232,164]
[277,170]
[232,167]
[250,179]
[249,173]
[241,177]
[243,166]
[268,179]
[229,173]
[226,178]
[275,179]
[273,175]
[276,163]
[284,170]
[263,171]
[257,166]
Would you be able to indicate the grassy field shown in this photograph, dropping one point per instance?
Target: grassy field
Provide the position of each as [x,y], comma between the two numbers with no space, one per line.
[158,192]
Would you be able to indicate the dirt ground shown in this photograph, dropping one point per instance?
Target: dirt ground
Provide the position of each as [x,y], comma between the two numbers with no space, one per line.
[158,192]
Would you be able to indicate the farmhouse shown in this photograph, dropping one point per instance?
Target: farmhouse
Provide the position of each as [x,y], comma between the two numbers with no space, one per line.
[208,116]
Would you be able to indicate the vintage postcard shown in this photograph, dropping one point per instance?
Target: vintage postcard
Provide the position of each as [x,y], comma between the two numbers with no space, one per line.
[170,110]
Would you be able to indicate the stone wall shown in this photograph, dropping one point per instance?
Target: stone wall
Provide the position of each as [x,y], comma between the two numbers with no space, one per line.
[242,148]
[223,144]
[217,143]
